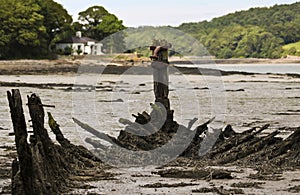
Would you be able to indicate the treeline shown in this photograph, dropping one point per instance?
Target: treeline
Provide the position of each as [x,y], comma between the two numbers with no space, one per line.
[30,28]
[139,39]
[257,33]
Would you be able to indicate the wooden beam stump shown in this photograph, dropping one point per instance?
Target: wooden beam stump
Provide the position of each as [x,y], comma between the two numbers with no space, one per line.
[22,181]
[43,167]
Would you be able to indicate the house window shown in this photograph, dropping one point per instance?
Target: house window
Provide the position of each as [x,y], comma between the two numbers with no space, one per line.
[95,47]
[78,47]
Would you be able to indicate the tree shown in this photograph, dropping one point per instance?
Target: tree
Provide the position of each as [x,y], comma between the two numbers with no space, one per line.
[222,43]
[258,43]
[98,23]
[110,24]
[22,31]
[91,19]
[292,51]
[57,21]
[28,27]
[263,30]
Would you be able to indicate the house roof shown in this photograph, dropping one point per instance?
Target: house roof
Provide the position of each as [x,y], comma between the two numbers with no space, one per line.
[77,40]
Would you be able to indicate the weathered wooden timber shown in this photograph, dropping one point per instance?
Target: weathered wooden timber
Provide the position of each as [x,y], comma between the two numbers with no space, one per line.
[43,167]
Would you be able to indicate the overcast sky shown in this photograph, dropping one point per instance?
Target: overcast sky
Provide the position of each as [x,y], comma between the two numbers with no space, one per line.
[166,12]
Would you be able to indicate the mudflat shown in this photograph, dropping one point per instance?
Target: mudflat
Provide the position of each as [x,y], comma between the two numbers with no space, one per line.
[252,101]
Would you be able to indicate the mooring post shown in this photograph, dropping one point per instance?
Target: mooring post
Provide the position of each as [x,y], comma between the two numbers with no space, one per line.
[160,66]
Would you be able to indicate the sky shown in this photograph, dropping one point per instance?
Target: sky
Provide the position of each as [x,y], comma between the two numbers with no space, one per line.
[136,13]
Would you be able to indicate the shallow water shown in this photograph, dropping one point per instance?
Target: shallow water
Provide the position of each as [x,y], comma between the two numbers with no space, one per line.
[252,68]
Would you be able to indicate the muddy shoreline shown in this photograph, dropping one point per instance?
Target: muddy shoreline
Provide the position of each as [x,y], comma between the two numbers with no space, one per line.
[199,175]
[137,180]
[73,69]
[290,60]
[40,69]
[115,66]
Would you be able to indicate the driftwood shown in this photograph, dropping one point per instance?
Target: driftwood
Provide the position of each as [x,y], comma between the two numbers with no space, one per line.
[43,167]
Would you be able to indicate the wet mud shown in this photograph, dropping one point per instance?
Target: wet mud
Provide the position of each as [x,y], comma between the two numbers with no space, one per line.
[273,160]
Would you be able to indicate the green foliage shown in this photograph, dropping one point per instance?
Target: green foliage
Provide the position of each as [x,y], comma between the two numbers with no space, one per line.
[292,49]
[29,26]
[258,32]
[78,51]
[109,25]
[68,51]
[57,21]
[139,39]
[91,18]
[99,24]
[237,41]
[29,29]
[292,45]
[21,27]
[258,43]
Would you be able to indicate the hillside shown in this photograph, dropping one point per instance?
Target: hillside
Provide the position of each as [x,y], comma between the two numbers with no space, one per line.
[257,32]
[292,48]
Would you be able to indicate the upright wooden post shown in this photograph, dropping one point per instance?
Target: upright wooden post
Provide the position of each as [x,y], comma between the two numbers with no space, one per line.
[24,182]
[160,65]
[42,167]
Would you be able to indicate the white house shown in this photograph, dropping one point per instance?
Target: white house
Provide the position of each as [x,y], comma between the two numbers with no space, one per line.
[80,45]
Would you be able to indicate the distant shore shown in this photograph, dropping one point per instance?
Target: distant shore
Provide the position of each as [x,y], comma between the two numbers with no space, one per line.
[118,66]
[287,60]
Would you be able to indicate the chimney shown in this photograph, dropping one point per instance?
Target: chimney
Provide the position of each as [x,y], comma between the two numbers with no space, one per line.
[78,34]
